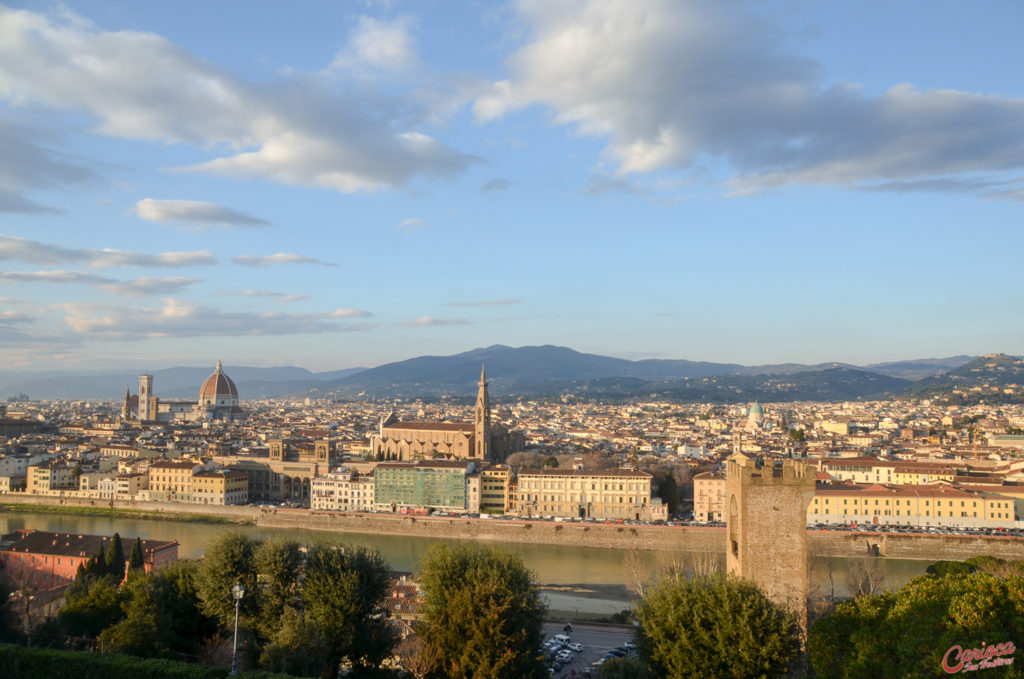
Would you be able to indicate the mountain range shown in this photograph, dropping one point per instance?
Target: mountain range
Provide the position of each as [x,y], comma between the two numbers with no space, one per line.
[522,371]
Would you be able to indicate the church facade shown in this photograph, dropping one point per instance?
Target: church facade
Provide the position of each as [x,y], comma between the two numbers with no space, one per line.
[218,401]
[480,440]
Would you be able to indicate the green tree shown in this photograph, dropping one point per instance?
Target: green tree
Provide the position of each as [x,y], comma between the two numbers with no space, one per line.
[482,613]
[623,668]
[714,626]
[550,462]
[229,559]
[907,632]
[114,558]
[343,592]
[90,607]
[278,563]
[665,486]
[297,647]
[797,435]
[136,561]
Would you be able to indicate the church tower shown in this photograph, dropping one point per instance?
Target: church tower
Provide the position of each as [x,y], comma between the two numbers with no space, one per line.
[145,395]
[482,421]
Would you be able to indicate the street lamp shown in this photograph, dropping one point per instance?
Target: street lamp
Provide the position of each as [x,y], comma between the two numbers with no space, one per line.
[238,591]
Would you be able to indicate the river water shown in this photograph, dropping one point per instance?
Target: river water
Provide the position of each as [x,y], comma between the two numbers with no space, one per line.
[576,580]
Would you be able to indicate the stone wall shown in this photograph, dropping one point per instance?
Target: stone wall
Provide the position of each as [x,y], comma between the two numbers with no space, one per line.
[658,538]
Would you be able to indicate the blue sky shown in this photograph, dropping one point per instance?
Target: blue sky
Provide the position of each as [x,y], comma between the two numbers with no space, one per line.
[346,184]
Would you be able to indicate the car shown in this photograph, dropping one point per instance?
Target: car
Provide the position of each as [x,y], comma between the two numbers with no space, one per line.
[629,646]
[565,655]
[578,647]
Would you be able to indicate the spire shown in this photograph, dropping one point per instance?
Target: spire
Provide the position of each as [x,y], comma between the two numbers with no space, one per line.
[483,375]
[218,366]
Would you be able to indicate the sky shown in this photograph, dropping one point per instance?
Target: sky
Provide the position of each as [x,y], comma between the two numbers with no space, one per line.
[342,184]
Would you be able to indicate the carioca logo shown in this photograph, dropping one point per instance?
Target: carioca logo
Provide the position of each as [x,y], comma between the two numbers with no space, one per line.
[959,659]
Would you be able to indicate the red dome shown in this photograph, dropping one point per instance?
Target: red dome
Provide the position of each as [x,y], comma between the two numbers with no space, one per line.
[217,384]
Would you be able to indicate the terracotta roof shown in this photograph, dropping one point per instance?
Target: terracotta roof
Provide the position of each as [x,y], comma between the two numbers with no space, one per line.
[69,544]
[428,426]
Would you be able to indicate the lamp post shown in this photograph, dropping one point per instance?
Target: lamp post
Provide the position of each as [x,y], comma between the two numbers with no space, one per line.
[238,591]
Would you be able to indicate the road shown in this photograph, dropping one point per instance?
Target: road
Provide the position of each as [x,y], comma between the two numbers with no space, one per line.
[596,640]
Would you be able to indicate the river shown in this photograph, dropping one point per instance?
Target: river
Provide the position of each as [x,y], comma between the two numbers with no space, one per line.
[576,580]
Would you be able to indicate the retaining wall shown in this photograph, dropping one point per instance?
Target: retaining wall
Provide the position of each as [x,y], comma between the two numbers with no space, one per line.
[609,536]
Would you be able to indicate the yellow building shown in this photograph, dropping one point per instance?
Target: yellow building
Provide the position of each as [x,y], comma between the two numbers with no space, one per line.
[709,496]
[494,489]
[918,506]
[172,480]
[621,494]
[50,476]
[220,487]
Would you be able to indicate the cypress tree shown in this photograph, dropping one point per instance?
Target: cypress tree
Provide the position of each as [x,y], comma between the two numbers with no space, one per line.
[136,562]
[115,558]
[97,567]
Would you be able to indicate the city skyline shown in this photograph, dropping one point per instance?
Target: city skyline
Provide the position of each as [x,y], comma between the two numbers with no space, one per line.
[352,185]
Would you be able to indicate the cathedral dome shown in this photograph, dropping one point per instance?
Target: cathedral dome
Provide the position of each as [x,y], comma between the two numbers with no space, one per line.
[217,385]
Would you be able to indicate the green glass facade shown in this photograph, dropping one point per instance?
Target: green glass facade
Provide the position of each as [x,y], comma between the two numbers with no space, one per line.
[434,487]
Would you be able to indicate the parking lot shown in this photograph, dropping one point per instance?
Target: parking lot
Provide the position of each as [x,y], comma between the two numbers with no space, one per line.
[596,640]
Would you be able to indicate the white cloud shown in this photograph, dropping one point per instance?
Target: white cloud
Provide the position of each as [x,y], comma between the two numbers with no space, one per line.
[349,313]
[193,211]
[675,84]
[298,130]
[411,224]
[135,286]
[277,258]
[35,252]
[490,302]
[430,321]
[378,45]
[185,318]
[279,297]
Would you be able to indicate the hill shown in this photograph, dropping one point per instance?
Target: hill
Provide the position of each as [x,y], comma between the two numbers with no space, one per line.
[994,378]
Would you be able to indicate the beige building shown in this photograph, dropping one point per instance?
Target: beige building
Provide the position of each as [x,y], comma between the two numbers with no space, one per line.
[709,496]
[172,481]
[220,487]
[50,476]
[495,481]
[343,489]
[623,494]
[858,469]
[918,506]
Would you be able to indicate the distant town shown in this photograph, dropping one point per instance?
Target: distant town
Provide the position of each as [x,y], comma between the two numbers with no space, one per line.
[911,466]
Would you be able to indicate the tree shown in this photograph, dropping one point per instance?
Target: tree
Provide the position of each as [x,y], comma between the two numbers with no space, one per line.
[714,626]
[90,607]
[343,592]
[114,558]
[908,632]
[482,613]
[8,618]
[865,576]
[229,559]
[136,561]
[550,462]
[797,435]
[278,563]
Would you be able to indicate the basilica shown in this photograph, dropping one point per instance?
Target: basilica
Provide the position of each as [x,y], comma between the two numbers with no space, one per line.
[479,440]
[218,401]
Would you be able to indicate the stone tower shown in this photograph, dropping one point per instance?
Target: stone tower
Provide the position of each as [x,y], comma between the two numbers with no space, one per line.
[482,421]
[767,526]
[145,398]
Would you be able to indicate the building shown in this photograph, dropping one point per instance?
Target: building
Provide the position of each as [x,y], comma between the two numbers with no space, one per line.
[51,476]
[916,506]
[709,496]
[185,481]
[495,481]
[859,469]
[480,440]
[623,494]
[52,559]
[766,526]
[343,489]
[218,401]
[423,484]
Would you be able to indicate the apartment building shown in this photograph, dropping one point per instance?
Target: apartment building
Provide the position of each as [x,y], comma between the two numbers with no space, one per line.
[220,487]
[919,506]
[709,496]
[343,489]
[572,493]
[423,484]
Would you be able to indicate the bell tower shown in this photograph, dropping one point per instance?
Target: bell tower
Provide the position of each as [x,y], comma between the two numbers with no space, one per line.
[482,420]
[145,394]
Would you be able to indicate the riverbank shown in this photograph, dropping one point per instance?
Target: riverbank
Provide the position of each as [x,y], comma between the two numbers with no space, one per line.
[672,539]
